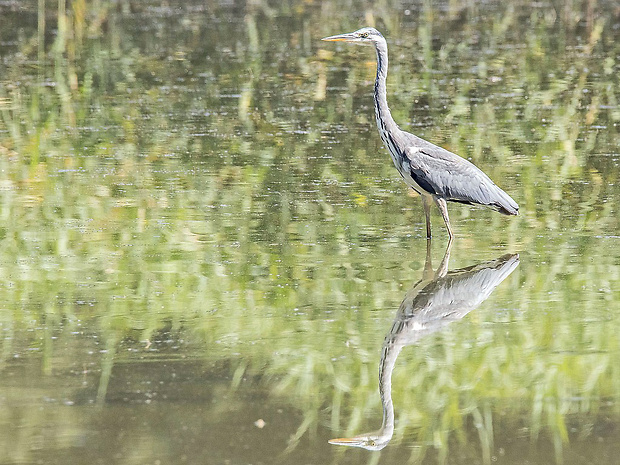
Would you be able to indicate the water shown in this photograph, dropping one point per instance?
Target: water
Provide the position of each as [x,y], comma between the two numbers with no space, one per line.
[204,245]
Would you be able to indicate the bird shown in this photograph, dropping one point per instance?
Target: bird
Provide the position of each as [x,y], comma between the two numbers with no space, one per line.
[434,302]
[433,172]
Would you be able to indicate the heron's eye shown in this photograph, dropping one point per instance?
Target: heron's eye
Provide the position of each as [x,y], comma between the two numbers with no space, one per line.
[364,35]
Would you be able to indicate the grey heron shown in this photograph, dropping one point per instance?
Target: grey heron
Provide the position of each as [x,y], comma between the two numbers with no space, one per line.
[438,299]
[433,172]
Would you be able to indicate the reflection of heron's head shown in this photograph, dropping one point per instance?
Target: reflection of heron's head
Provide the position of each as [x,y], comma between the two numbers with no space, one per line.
[364,36]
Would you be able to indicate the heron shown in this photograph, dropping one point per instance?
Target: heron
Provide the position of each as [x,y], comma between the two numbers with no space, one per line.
[433,172]
[434,302]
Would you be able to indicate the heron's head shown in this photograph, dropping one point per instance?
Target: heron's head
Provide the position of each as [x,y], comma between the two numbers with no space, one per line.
[368,441]
[364,36]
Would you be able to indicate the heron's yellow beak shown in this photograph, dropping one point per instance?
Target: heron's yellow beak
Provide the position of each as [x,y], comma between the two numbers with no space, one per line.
[348,37]
[346,441]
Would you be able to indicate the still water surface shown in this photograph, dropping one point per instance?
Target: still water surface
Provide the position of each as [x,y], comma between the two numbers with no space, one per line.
[207,256]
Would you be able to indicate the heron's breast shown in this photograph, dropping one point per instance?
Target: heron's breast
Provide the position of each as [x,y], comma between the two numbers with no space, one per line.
[389,144]
[399,159]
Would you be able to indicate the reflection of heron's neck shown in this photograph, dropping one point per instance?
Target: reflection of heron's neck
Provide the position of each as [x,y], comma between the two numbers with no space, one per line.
[388,360]
[400,335]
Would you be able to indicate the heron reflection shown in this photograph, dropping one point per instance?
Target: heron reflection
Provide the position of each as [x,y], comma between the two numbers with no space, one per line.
[438,299]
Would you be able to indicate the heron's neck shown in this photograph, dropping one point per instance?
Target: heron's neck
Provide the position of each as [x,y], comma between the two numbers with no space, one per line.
[382,111]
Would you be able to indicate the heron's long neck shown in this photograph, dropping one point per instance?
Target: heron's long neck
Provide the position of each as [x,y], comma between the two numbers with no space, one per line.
[382,111]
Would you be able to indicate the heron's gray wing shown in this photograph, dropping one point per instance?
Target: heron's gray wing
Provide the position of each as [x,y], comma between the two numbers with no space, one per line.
[447,175]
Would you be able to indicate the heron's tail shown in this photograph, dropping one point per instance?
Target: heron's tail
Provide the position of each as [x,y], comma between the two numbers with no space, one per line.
[504,204]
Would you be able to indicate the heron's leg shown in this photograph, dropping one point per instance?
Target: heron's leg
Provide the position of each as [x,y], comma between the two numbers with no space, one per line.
[428,274]
[443,208]
[426,200]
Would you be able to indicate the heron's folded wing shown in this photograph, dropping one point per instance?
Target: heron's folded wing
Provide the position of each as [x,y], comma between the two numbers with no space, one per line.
[447,175]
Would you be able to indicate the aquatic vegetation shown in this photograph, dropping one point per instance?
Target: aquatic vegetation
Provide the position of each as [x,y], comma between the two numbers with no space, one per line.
[218,202]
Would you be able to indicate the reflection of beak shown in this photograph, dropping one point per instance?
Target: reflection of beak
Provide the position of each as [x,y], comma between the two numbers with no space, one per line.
[348,37]
[346,441]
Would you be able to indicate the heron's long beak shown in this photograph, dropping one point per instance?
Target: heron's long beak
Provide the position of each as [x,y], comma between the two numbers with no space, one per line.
[348,37]
[346,441]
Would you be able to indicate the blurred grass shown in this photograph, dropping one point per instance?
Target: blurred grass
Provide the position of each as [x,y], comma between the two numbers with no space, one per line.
[230,187]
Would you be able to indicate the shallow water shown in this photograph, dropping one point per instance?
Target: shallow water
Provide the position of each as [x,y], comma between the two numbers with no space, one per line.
[205,248]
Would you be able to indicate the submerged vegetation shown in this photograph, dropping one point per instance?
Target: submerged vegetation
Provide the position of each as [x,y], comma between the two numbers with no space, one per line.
[219,194]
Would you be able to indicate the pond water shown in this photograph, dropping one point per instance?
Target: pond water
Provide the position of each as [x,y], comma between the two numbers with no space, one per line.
[206,255]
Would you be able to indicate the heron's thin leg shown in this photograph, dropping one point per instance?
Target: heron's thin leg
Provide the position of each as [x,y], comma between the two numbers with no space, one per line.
[428,272]
[443,208]
[426,200]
